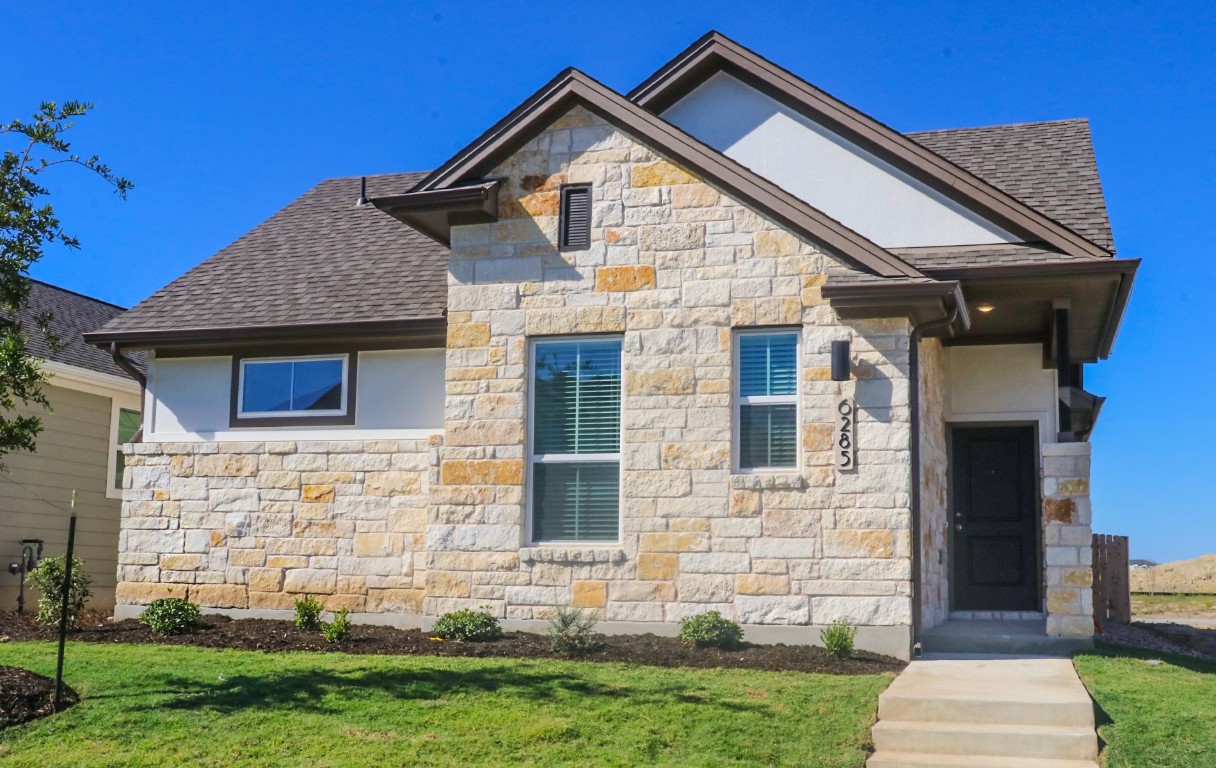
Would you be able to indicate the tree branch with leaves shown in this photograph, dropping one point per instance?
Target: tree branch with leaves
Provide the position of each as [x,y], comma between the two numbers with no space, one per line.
[27,225]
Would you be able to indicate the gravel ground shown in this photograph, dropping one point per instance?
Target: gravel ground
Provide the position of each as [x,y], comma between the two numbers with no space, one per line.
[1143,637]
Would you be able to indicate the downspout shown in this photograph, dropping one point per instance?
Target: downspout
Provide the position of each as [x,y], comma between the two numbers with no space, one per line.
[125,363]
[918,333]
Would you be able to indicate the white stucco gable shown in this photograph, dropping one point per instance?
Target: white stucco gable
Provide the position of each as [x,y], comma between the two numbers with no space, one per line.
[838,177]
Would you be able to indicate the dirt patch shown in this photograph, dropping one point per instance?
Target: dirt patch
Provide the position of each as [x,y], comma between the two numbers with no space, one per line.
[274,636]
[1197,576]
[25,696]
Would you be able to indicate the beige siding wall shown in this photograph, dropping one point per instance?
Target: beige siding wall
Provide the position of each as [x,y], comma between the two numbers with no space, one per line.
[72,453]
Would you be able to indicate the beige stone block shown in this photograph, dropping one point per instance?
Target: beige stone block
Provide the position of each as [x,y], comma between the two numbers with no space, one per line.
[694,196]
[791,523]
[683,524]
[817,437]
[183,562]
[658,567]
[626,278]
[396,600]
[271,601]
[327,478]
[408,520]
[695,455]
[313,581]
[779,310]
[226,465]
[377,544]
[265,579]
[181,466]
[280,480]
[317,493]
[662,381]
[744,503]
[1074,487]
[311,547]
[392,483]
[673,542]
[757,584]
[1062,601]
[352,585]
[487,432]
[550,575]
[133,593]
[218,538]
[468,335]
[473,561]
[246,558]
[659,174]
[589,594]
[877,543]
[775,243]
[313,511]
[314,529]
[1079,577]
[441,584]
[706,588]
[218,595]
[280,561]
[672,237]
[483,472]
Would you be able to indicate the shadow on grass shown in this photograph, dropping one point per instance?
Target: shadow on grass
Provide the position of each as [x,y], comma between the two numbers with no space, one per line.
[1116,651]
[311,690]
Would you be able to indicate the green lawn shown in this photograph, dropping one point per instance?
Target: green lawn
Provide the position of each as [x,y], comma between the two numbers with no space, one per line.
[1174,605]
[149,705]
[1161,715]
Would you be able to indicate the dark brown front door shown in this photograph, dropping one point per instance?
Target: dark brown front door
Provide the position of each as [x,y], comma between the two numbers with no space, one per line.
[994,520]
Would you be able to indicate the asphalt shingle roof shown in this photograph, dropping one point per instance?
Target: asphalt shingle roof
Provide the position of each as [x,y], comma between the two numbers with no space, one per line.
[72,314]
[1049,166]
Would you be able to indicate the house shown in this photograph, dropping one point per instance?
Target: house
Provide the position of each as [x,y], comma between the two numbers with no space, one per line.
[724,342]
[94,410]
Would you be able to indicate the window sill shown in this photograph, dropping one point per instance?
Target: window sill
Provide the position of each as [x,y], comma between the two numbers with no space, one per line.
[768,480]
[576,553]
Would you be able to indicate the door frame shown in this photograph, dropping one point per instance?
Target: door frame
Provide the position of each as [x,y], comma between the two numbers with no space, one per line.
[951,546]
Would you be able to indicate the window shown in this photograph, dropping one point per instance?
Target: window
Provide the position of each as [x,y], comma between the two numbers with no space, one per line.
[576,440]
[766,415]
[574,225]
[127,423]
[275,391]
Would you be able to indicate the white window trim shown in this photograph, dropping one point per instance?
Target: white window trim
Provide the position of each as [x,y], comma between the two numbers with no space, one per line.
[112,457]
[531,459]
[739,401]
[240,395]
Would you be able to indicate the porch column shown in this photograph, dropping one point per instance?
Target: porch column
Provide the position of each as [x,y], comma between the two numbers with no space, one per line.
[1068,539]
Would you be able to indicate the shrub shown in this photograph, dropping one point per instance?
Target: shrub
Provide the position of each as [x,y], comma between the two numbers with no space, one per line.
[171,616]
[837,639]
[572,631]
[308,613]
[338,629]
[48,579]
[712,629]
[468,624]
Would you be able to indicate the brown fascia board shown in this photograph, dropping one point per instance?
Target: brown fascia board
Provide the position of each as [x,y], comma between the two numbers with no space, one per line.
[715,52]
[572,87]
[1124,270]
[920,301]
[413,332]
[433,212]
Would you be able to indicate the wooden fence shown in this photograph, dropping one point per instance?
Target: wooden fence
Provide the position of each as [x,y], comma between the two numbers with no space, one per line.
[1112,584]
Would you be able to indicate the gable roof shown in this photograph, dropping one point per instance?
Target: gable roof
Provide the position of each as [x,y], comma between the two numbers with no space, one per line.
[321,261]
[72,314]
[1050,166]
[715,52]
[572,87]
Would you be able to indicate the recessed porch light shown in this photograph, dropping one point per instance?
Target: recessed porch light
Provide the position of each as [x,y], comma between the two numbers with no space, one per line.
[985,307]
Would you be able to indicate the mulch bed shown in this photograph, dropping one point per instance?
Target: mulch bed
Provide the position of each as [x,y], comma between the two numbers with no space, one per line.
[274,636]
[25,696]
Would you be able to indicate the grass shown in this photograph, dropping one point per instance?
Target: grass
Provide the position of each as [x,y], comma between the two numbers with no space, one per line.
[148,705]
[1174,605]
[1152,714]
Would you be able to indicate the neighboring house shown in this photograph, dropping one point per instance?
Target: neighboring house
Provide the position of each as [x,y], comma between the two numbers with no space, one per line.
[94,410]
[588,361]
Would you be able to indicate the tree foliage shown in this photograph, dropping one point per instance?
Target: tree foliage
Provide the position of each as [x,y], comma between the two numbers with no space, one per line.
[27,225]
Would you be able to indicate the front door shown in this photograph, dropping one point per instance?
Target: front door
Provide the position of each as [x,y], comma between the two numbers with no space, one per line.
[995,526]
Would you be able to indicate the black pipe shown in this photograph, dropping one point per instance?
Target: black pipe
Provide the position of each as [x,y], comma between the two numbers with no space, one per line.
[63,613]
[914,405]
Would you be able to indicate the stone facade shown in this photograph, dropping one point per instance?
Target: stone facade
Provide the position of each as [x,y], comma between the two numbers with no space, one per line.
[934,488]
[253,525]
[1068,539]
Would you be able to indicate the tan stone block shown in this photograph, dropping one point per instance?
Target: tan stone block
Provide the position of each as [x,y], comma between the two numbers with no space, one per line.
[408,520]
[1079,577]
[678,524]
[471,373]
[396,600]
[247,558]
[626,278]
[773,243]
[271,601]
[182,562]
[181,466]
[877,543]
[281,480]
[791,523]
[483,472]
[543,183]
[310,581]
[1063,601]
[756,584]
[643,592]
[658,567]
[662,381]
[226,465]
[317,493]
[327,478]
[744,503]
[160,494]
[694,196]
[134,593]
[440,584]
[312,547]
[377,544]
[538,204]
[352,603]
[659,174]
[589,594]
[313,511]
[1060,511]
[468,335]
[281,561]
[218,595]
[392,483]
[218,539]
[779,310]
[1074,487]
[265,579]
[487,432]
[352,585]
[673,542]
[695,456]
[474,561]
[817,437]
[314,529]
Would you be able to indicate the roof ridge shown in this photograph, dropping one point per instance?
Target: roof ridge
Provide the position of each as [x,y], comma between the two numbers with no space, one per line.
[94,299]
[998,126]
[370,176]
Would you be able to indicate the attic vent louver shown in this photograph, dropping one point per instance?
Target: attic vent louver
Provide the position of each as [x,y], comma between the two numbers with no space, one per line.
[574,227]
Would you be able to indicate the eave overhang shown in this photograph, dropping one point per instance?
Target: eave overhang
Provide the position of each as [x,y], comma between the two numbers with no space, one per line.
[434,212]
[715,52]
[920,302]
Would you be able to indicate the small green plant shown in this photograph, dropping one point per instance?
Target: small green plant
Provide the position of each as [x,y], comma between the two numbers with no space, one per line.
[468,624]
[338,629]
[572,631]
[308,613]
[711,629]
[837,639]
[48,578]
[171,616]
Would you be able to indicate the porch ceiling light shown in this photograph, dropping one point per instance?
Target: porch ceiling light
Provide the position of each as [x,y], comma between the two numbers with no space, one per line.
[985,308]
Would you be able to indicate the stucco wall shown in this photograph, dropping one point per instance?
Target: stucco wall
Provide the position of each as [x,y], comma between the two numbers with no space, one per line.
[1001,383]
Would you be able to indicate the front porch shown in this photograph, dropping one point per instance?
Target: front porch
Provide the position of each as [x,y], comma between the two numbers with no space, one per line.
[982,637]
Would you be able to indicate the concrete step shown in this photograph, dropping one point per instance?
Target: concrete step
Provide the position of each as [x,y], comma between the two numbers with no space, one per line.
[1043,742]
[999,637]
[910,760]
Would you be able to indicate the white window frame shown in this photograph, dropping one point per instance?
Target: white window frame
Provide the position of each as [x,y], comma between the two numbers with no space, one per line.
[241,413]
[738,401]
[116,407]
[531,459]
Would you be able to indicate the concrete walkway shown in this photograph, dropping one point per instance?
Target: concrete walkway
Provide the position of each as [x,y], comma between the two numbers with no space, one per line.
[994,712]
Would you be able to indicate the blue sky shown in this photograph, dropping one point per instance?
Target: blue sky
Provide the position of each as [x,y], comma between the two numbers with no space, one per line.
[221,115]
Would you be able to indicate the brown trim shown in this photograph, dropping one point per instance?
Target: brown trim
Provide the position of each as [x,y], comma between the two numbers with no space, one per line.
[715,52]
[429,329]
[998,340]
[917,301]
[572,87]
[235,421]
[1039,270]
[433,212]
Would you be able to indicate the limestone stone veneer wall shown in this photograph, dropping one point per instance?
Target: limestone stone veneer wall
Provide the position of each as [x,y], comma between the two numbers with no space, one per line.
[1068,539]
[253,525]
